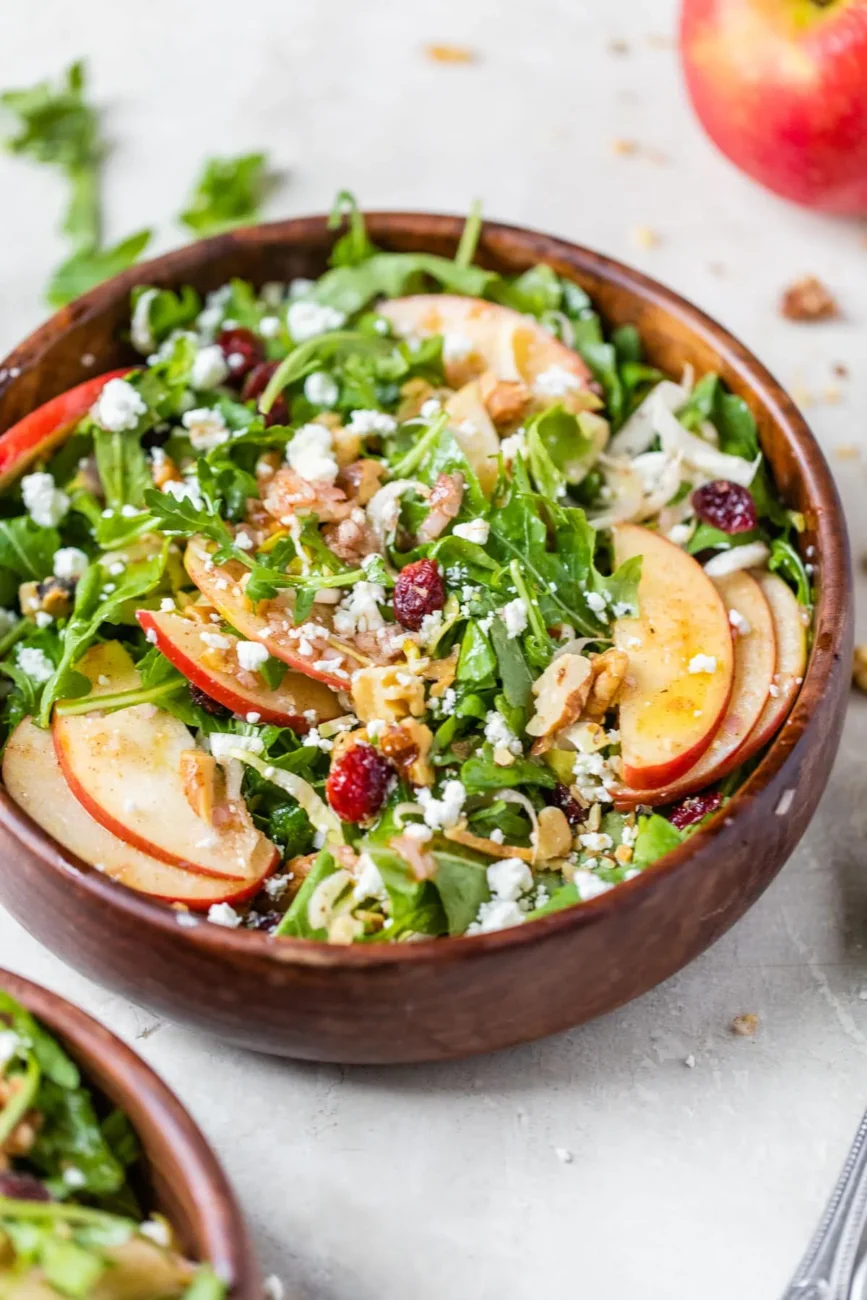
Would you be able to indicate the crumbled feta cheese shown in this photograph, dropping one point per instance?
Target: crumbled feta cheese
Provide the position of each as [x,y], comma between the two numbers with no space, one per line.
[221,742]
[9,1045]
[595,841]
[515,616]
[415,830]
[556,381]
[702,664]
[500,734]
[431,408]
[509,878]
[151,636]
[477,530]
[680,534]
[588,885]
[251,655]
[497,835]
[320,389]
[74,1177]
[45,503]
[214,641]
[34,663]
[311,454]
[207,428]
[383,509]
[306,320]
[498,914]
[595,602]
[167,604]
[359,610]
[276,886]
[210,368]
[157,1231]
[69,563]
[185,490]
[269,327]
[445,812]
[457,347]
[741,625]
[43,618]
[224,914]
[368,881]
[622,609]
[513,445]
[365,422]
[141,333]
[119,407]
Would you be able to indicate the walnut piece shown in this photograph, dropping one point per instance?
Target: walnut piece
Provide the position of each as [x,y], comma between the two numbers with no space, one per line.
[859,667]
[407,744]
[561,693]
[609,671]
[554,836]
[388,693]
[507,402]
[745,1026]
[199,773]
[809,300]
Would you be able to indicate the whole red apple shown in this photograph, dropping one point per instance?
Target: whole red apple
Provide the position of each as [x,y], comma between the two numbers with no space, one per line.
[781,88]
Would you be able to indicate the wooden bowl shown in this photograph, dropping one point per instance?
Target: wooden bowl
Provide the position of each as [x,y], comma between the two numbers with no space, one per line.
[181,1171]
[448,998]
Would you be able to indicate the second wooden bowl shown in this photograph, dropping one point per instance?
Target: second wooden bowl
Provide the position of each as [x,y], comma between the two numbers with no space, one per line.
[181,1171]
[448,998]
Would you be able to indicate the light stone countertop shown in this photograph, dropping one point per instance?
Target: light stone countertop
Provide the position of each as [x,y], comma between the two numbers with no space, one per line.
[432,1182]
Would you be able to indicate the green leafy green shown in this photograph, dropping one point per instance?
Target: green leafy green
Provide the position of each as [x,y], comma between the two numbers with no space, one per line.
[462,882]
[656,837]
[391,275]
[296,921]
[229,192]
[482,774]
[354,246]
[26,549]
[786,561]
[89,266]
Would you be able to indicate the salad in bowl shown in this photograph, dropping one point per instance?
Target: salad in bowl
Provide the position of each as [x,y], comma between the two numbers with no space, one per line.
[404,602]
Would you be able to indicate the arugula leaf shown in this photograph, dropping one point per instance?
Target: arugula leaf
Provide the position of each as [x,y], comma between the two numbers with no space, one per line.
[656,837]
[302,358]
[786,561]
[123,468]
[355,246]
[415,905]
[295,921]
[164,310]
[181,517]
[27,549]
[514,672]
[71,1136]
[58,127]
[534,293]
[477,662]
[228,193]
[391,275]
[481,774]
[89,266]
[462,882]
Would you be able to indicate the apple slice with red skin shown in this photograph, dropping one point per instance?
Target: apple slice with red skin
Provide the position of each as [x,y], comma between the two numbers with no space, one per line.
[49,425]
[755,664]
[513,346]
[669,715]
[271,621]
[124,768]
[34,780]
[180,640]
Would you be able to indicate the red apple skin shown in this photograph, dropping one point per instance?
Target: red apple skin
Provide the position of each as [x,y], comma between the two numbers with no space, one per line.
[303,691]
[780,86]
[49,425]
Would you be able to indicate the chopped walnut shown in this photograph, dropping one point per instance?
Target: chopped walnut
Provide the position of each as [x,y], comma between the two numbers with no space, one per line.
[554,836]
[360,480]
[389,693]
[809,300]
[407,744]
[609,672]
[297,871]
[442,673]
[199,774]
[451,53]
[745,1026]
[859,667]
[507,402]
[561,693]
[163,471]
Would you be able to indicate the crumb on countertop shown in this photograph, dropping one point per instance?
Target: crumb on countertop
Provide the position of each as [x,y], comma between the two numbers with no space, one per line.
[745,1026]
[444,53]
[840,370]
[689,1061]
[564,1155]
[859,667]
[645,237]
[618,46]
[808,300]
[847,451]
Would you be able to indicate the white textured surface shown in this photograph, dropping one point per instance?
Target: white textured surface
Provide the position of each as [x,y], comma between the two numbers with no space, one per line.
[432,1182]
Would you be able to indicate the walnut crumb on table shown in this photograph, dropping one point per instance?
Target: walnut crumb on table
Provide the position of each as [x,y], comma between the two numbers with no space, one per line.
[745,1026]
[450,53]
[645,237]
[859,667]
[808,300]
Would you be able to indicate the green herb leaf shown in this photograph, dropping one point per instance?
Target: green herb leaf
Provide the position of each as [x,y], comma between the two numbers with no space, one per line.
[26,549]
[462,882]
[481,774]
[88,267]
[296,921]
[229,192]
[656,837]
[354,246]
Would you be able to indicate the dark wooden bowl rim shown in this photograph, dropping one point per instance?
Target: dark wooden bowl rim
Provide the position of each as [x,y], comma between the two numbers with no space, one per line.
[219,1230]
[706,844]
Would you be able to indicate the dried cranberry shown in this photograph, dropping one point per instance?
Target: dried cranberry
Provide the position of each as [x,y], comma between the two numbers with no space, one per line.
[242,350]
[205,702]
[562,799]
[691,810]
[23,1187]
[358,783]
[255,385]
[419,591]
[726,506]
[265,922]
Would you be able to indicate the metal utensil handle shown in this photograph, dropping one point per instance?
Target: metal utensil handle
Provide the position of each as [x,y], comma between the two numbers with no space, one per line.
[826,1271]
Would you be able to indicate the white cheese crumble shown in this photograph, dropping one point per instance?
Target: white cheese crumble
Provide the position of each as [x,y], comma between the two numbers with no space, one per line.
[680,534]
[556,381]
[457,347]
[431,408]
[44,501]
[207,428]
[311,454]
[359,610]
[185,490]
[513,445]
[306,320]
[368,881]
[74,1177]
[34,663]
[210,368]
[221,742]
[498,914]
[157,1231]
[500,734]
[741,625]
[509,878]
[588,885]
[445,812]
[702,664]
[141,333]
[224,914]
[365,422]
[214,641]
[595,841]
[269,327]
[515,617]
[69,563]
[383,509]
[320,389]
[477,530]
[251,655]
[119,407]
[595,602]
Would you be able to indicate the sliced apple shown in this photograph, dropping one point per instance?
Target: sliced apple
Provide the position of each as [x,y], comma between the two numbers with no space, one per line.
[755,658]
[670,706]
[474,430]
[124,768]
[791,635]
[482,336]
[218,673]
[34,780]
[329,661]
[49,425]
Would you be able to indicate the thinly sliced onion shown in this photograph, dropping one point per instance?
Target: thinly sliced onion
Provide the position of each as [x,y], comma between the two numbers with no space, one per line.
[754,555]
[320,907]
[638,432]
[660,475]
[700,454]
[404,810]
[515,796]
[321,816]
[575,646]
[625,485]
